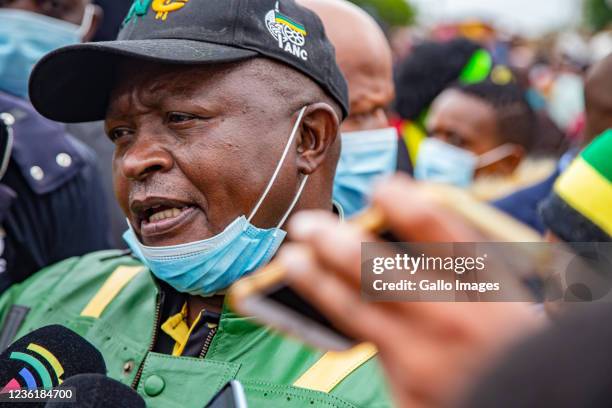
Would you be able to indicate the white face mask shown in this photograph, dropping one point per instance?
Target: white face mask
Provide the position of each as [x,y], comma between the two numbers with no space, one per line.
[444,163]
[86,22]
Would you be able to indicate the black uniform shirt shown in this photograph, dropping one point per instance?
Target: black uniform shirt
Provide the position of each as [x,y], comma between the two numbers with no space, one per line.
[51,197]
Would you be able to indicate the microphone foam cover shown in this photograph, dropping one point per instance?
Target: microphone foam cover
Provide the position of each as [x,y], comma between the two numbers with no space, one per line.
[51,345]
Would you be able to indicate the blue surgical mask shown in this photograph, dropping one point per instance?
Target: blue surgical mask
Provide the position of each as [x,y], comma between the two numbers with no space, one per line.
[25,37]
[208,266]
[441,162]
[366,157]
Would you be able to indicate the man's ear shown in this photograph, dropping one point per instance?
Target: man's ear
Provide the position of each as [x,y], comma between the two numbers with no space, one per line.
[95,23]
[318,134]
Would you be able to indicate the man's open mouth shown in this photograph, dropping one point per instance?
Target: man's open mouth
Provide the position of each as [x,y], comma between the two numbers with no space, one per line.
[161,212]
[158,216]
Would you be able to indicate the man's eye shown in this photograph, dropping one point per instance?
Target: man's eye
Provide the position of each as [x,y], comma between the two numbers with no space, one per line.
[116,134]
[177,117]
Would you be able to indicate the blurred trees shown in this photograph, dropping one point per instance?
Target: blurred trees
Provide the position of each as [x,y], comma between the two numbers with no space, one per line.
[389,12]
[597,14]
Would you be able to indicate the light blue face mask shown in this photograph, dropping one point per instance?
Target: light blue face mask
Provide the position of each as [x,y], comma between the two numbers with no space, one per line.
[25,37]
[206,267]
[442,162]
[366,157]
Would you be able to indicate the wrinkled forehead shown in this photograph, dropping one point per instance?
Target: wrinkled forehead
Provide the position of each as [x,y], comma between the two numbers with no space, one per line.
[223,83]
[156,77]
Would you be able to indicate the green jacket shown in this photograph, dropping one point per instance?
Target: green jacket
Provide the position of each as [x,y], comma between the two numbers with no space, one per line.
[111,301]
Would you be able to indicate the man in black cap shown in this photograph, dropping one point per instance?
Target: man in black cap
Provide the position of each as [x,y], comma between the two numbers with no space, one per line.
[225,119]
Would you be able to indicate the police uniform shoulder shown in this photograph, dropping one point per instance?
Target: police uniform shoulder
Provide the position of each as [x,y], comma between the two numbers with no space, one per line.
[46,155]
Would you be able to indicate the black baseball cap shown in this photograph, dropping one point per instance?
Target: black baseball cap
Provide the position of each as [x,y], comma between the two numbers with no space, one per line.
[73,83]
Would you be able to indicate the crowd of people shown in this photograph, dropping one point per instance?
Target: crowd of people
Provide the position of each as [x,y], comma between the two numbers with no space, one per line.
[142,175]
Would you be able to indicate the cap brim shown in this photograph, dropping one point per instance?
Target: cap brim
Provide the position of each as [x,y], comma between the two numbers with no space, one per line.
[73,84]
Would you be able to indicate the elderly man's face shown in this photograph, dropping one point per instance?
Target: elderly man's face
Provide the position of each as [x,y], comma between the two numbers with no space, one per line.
[195,147]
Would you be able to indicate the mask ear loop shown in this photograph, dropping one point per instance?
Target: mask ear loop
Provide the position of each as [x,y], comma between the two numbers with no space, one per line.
[88,16]
[277,171]
[294,202]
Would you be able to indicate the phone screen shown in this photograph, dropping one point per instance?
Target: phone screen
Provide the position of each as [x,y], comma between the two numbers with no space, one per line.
[288,297]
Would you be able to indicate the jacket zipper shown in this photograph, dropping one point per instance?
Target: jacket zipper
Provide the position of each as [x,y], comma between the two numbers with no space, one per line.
[151,345]
[209,337]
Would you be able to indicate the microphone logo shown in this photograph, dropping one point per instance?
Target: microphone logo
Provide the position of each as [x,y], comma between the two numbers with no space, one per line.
[41,370]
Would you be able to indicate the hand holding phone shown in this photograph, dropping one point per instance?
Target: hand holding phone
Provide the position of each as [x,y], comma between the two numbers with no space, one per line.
[429,350]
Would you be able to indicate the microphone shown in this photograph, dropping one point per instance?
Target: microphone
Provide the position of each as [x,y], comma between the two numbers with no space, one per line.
[45,358]
[97,390]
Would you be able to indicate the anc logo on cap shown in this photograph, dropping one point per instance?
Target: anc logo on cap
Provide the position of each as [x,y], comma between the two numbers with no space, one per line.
[161,7]
[291,35]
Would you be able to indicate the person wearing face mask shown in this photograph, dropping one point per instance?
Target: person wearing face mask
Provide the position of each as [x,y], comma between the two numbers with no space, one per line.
[480,135]
[430,68]
[225,118]
[369,144]
[54,203]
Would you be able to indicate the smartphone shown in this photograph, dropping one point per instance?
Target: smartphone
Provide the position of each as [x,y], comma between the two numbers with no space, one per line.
[265,295]
[231,396]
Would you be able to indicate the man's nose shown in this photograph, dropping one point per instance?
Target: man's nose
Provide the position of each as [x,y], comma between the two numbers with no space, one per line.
[144,158]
